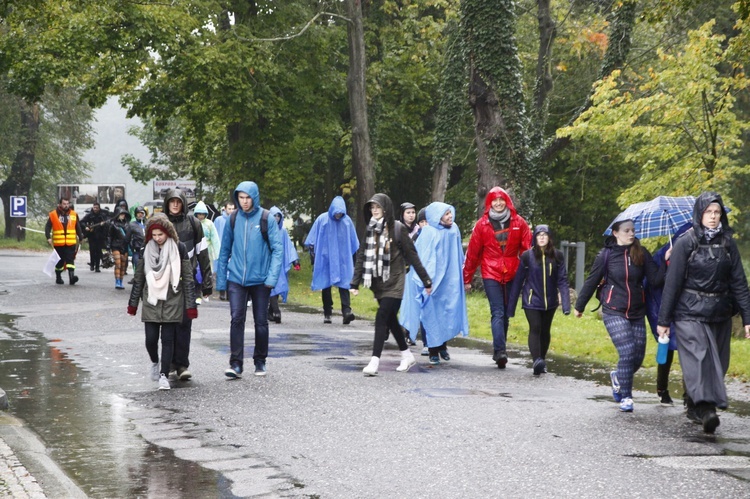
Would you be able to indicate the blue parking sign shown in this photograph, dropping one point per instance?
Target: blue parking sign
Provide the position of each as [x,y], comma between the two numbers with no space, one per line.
[18,206]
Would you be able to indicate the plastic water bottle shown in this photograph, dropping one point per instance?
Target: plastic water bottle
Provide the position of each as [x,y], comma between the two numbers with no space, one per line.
[662,350]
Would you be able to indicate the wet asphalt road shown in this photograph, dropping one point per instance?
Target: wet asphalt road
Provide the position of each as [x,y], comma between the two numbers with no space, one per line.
[316,427]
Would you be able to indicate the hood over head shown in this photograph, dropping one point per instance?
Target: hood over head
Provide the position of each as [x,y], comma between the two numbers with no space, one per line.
[498,192]
[701,203]
[404,207]
[160,221]
[275,210]
[176,193]
[200,207]
[140,209]
[338,205]
[120,210]
[251,189]
[385,202]
[435,211]
[421,215]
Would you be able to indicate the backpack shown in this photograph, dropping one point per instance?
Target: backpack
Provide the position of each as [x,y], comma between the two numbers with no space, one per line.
[263,224]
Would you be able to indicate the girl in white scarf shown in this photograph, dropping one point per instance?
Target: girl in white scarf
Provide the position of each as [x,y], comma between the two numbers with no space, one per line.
[164,279]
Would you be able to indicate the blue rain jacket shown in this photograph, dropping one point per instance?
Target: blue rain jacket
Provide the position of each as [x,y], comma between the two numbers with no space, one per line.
[443,313]
[245,255]
[288,256]
[334,243]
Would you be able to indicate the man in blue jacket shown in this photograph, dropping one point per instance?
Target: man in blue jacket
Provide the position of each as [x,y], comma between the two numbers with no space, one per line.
[249,266]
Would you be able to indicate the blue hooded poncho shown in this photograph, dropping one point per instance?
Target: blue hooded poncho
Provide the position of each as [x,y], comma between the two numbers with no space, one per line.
[288,256]
[443,313]
[334,242]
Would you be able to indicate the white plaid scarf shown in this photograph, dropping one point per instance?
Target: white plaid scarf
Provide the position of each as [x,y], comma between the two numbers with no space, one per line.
[377,255]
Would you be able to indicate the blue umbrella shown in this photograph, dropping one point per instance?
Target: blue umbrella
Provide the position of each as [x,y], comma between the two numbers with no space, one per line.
[662,216]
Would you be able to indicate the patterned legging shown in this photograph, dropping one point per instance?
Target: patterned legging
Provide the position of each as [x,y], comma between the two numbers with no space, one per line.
[629,338]
[121,263]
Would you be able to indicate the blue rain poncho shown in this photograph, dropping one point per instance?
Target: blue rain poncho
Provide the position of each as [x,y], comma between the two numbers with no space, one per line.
[334,243]
[288,256]
[442,313]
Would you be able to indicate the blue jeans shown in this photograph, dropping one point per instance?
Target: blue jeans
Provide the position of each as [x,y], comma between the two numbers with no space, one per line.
[238,296]
[495,292]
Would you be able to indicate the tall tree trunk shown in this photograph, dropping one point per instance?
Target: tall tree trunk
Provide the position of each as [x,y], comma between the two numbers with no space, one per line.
[496,97]
[18,182]
[362,161]
[543,86]
[440,180]
[487,124]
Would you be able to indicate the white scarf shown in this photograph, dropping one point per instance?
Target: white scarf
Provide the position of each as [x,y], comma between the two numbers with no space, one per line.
[163,267]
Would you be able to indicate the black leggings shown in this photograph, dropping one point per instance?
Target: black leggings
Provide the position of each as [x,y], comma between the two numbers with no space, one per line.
[387,318]
[540,323]
[167,343]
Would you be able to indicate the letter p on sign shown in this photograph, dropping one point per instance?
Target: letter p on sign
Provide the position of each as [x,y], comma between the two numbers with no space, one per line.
[18,206]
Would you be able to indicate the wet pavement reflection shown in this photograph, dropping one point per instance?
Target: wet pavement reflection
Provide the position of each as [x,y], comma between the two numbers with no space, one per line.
[89,433]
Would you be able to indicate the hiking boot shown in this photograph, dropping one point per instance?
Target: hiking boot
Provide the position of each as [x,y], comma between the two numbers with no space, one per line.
[59,279]
[234,372]
[664,396]
[626,405]
[709,418]
[407,361]
[276,317]
[691,411]
[97,270]
[371,369]
[154,371]
[348,317]
[434,360]
[183,374]
[164,383]
[260,368]
[327,319]
[445,355]
[539,366]
[223,295]
[501,359]
[615,386]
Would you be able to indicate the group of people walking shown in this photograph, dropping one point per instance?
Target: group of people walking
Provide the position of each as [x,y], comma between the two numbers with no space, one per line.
[418,273]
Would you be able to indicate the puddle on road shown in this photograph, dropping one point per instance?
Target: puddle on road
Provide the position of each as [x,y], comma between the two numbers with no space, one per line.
[87,432]
[562,366]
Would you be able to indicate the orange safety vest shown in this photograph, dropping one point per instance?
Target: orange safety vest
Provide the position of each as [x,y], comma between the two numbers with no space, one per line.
[63,236]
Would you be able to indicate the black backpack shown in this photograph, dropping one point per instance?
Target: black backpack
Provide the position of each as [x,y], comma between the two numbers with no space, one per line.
[263,224]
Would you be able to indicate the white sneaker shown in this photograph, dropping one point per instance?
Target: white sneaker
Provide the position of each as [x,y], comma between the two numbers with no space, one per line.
[164,383]
[372,368]
[407,360]
[154,371]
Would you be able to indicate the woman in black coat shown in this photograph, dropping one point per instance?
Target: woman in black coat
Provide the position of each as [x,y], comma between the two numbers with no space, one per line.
[623,263]
[704,283]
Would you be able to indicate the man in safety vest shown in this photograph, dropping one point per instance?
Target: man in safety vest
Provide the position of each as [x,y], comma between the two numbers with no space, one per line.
[63,233]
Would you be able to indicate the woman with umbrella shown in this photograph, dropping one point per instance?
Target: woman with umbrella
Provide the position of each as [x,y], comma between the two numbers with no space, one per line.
[620,269]
[704,284]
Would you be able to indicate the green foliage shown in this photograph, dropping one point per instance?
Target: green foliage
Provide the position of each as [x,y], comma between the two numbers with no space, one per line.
[677,122]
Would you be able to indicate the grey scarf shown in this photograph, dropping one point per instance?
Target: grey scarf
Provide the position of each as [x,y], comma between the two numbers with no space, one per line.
[500,216]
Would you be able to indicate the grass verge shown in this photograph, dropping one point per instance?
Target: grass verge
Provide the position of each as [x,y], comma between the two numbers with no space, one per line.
[583,339]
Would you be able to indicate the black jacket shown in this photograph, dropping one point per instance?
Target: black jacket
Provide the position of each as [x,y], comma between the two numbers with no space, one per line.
[623,295]
[402,251]
[94,226]
[705,279]
[538,282]
[118,234]
[191,235]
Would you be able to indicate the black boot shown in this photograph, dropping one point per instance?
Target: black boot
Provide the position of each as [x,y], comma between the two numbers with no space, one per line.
[690,409]
[348,315]
[708,417]
[72,276]
[59,279]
